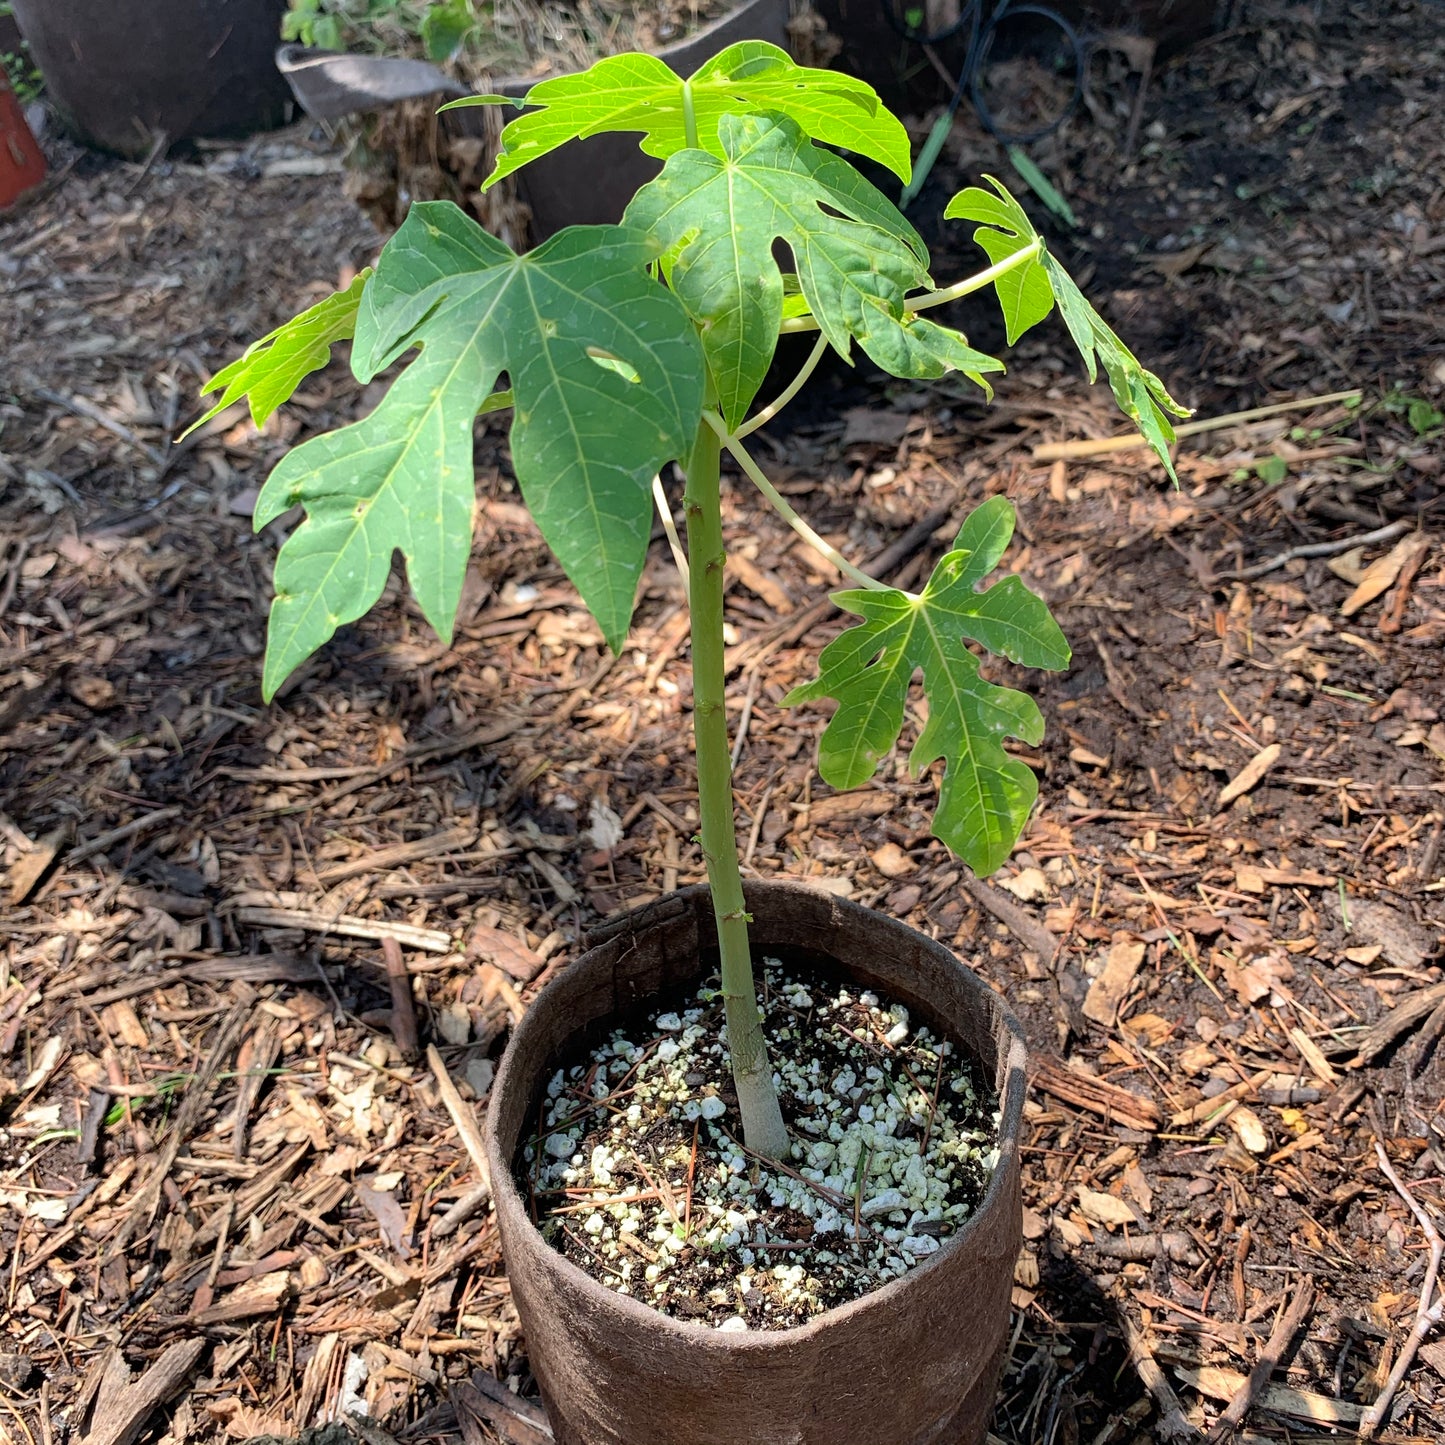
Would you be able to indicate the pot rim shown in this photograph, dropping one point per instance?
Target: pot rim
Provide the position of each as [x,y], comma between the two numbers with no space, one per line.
[1011,1109]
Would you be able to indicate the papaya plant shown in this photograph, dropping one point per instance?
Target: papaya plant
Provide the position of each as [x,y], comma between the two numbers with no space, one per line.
[628,347]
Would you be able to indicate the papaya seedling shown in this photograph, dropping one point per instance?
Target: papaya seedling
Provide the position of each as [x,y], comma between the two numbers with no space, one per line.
[628,347]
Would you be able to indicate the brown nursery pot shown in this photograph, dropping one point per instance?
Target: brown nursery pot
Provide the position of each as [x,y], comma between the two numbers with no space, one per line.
[914,1363]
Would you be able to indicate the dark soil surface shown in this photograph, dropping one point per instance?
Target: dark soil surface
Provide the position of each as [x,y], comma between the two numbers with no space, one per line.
[1222,928]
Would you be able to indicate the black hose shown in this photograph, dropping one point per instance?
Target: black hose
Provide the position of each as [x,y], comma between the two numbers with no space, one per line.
[982,30]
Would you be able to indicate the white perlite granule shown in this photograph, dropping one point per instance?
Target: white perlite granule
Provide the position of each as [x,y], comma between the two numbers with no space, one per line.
[640,1176]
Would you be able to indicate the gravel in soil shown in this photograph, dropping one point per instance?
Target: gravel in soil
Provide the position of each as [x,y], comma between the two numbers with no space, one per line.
[638,1176]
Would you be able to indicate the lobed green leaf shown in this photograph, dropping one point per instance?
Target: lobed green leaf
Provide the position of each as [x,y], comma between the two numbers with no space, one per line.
[571,324]
[855,257]
[271,369]
[986,795]
[637,92]
[1024,293]
[1027,295]
[1140,394]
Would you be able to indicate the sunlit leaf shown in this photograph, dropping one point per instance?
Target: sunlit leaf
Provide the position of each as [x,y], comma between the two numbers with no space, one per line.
[640,93]
[586,439]
[854,256]
[273,367]
[986,795]
[1023,293]
[1027,293]
[1140,394]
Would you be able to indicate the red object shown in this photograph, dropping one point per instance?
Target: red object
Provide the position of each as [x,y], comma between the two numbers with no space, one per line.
[22,166]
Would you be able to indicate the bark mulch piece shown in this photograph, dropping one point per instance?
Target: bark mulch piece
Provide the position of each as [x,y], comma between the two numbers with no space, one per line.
[1226,915]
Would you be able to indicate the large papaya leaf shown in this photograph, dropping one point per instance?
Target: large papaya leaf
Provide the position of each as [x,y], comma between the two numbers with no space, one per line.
[854,255]
[607,378]
[1027,294]
[640,93]
[272,368]
[986,795]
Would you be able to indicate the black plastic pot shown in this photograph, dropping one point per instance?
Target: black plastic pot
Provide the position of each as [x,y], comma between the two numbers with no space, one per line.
[125,73]
[914,1363]
[873,50]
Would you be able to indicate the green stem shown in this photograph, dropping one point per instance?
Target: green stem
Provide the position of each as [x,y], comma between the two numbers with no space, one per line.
[787,394]
[664,512]
[978,281]
[762,1119]
[966,287]
[758,477]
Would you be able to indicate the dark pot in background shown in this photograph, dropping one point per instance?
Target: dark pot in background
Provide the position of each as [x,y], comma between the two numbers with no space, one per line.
[123,73]
[873,50]
[10,36]
[585,182]
[914,1363]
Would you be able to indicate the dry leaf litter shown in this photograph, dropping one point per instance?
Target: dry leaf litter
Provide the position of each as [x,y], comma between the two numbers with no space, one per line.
[232,1206]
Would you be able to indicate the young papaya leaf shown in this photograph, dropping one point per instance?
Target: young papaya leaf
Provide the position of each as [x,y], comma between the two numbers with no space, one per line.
[828,105]
[854,271]
[864,201]
[920,347]
[586,438]
[1027,294]
[1140,394]
[986,795]
[640,93]
[1024,293]
[273,367]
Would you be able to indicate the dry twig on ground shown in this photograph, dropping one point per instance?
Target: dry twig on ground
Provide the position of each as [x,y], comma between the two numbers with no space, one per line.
[1172,1422]
[1269,1357]
[1429,1312]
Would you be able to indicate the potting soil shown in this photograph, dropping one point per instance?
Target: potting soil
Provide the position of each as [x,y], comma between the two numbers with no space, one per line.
[639,1174]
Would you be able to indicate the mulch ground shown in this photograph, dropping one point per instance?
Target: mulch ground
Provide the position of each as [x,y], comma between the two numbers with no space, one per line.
[232,1198]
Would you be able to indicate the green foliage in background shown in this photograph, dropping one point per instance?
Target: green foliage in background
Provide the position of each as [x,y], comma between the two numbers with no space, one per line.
[23,78]
[442,29]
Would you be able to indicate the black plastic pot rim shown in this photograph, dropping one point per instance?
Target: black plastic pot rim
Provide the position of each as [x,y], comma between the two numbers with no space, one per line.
[732,1342]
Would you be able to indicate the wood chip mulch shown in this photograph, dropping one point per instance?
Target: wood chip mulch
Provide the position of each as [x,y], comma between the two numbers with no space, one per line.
[259,961]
